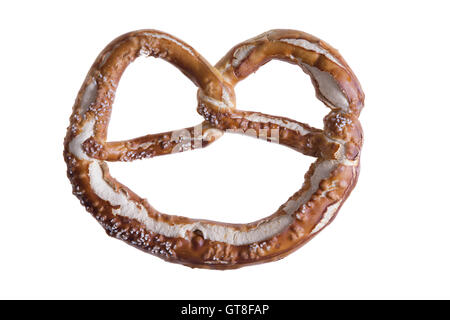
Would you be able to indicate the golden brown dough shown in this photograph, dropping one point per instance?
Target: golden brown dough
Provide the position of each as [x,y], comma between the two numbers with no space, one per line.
[202,243]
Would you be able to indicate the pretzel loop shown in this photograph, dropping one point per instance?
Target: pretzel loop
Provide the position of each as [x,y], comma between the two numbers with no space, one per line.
[104,79]
[204,243]
[333,80]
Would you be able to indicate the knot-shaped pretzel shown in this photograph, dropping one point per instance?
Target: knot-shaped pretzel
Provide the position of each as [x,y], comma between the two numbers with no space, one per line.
[202,243]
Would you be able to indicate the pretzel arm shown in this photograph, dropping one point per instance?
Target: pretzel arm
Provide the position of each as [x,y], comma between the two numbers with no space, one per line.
[287,132]
[290,133]
[152,145]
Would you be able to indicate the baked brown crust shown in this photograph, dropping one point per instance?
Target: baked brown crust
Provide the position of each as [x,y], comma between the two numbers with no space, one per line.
[193,242]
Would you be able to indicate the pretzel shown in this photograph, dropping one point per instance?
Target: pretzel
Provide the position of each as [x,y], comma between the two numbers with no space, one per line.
[203,243]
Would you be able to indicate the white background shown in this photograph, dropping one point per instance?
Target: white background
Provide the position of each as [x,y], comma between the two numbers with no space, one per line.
[391,238]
